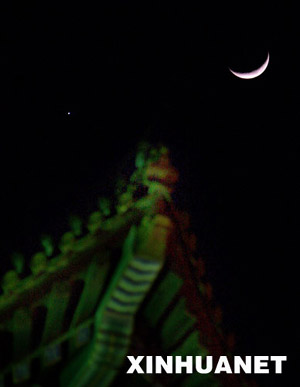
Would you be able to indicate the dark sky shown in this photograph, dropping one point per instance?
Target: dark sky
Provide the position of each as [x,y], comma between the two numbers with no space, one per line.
[129,72]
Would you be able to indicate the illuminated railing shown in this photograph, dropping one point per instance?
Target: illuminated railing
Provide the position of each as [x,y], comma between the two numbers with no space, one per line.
[50,315]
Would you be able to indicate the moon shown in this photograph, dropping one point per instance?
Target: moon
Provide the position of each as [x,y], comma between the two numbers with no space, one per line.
[254,73]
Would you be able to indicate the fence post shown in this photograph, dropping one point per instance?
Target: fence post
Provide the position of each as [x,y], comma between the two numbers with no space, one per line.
[94,280]
[57,303]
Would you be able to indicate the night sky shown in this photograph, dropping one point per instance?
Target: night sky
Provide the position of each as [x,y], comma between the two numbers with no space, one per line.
[159,72]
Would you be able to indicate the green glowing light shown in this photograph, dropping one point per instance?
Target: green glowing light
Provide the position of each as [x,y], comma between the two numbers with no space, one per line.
[47,243]
[104,205]
[38,262]
[18,262]
[76,225]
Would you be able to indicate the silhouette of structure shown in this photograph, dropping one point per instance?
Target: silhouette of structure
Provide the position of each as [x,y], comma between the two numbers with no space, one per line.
[132,284]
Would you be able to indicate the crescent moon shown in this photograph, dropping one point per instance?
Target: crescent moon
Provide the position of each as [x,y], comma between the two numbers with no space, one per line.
[254,73]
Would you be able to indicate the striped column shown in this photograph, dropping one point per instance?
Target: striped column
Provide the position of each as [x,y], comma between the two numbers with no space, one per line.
[142,258]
